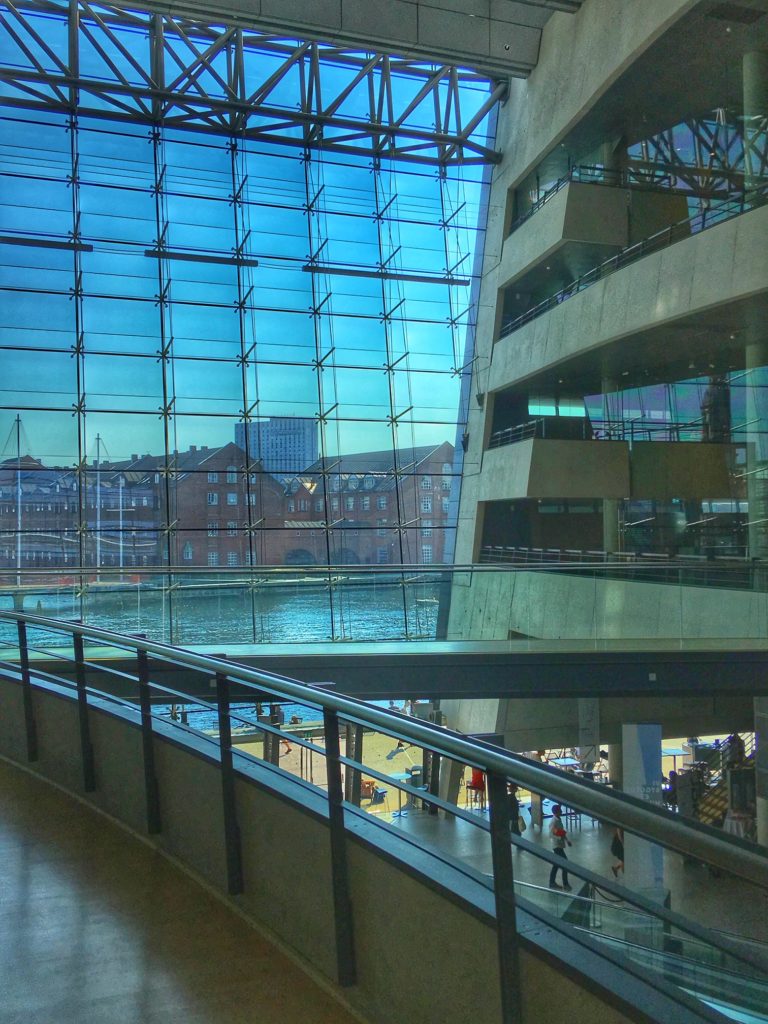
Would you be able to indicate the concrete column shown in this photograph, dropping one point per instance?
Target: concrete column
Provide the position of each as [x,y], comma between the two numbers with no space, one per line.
[615,765]
[755,91]
[761,768]
[644,861]
[589,729]
[611,412]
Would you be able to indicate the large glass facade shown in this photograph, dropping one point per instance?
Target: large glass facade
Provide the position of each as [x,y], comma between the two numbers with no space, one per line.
[229,337]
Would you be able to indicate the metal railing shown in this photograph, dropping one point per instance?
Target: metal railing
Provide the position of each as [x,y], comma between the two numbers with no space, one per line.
[586,429]
[342,789]
[661,240]
[636,179]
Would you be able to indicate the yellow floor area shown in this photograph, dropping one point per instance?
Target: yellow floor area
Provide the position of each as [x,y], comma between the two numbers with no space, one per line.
[97,928]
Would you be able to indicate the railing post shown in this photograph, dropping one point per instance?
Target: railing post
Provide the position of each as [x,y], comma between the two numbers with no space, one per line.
[353,777]
[86,747]
[30,724]
[342,905]
[154,824]
[231,830]
[504,893]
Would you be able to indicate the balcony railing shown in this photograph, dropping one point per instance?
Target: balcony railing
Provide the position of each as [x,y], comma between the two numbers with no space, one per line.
[683,229]
[582,428]
[686,966]
[637,179]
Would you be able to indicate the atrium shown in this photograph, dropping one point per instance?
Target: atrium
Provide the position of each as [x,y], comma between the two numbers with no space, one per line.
[419,348]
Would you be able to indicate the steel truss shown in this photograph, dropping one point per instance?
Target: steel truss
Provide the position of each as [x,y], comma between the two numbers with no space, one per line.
[101,60]
[709,156]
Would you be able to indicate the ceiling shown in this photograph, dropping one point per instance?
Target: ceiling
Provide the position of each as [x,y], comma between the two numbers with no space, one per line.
[497,37]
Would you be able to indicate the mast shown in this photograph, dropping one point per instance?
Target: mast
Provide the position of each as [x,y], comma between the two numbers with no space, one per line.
[18,500]
[98,502]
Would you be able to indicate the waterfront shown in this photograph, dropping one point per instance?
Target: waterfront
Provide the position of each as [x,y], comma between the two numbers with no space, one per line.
[243,612]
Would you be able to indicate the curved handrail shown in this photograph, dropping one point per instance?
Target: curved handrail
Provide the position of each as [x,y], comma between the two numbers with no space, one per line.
[692,839]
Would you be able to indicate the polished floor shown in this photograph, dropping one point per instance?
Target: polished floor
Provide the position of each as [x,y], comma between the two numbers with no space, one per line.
[96,928]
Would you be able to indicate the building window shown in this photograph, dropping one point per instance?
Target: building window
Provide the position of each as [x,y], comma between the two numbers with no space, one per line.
[213,498]
[303,505]
[426,483]
[381,501]
[232,558]
[186,552]
[426,504]
[213,558]
[349,504]
[319,505]
[382,527]
[444,504]
[213,478]
[231,498]
[334,504]
[382,555]
[231,529]
[426,528]
[213,528]
[231,474]
[365,503]
[291,505]
[426,553]
[445,485]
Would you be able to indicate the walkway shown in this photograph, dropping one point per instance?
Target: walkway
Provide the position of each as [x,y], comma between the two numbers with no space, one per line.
[96,928]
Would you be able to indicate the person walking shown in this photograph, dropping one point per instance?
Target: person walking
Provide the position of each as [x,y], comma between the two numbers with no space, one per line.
[514,808]
[559,839]
[617,849]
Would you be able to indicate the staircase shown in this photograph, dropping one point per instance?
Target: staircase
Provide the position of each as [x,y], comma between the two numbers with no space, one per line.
[712,805]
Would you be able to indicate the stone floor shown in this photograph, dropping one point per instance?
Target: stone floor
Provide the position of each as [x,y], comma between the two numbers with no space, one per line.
[96,928]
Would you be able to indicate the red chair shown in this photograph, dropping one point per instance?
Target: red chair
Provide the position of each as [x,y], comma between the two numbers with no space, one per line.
[476,788]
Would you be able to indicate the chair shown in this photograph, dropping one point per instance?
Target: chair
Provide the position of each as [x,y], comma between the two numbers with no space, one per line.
[476,789]
[367,789]
[380,796]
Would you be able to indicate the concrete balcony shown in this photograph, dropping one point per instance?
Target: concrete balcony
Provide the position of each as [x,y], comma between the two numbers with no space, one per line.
[663,310]
[538,468]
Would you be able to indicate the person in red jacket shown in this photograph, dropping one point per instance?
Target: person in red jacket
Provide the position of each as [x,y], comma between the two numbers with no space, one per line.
[559,839]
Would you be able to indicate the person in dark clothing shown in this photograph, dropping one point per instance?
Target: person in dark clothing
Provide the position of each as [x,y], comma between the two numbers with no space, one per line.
[514,809]
[617,849]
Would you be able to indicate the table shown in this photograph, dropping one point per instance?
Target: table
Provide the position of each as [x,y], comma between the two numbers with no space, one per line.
[736,824]
[674,753]
[400,777]
[564,762]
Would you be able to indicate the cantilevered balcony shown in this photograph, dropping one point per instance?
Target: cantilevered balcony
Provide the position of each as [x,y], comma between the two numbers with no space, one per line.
[655,304]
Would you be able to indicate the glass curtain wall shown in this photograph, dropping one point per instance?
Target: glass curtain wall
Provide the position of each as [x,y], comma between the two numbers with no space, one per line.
[221,352]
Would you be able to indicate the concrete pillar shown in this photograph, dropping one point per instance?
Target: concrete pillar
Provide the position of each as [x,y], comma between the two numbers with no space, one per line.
[589,729]
[755,91]
[644,861]
[611,413]
[761,768]
[615,765]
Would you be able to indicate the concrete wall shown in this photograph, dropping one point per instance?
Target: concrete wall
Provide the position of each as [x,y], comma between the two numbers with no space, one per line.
[719,266]
[578,213]
[580,58]
[556,469]
[553,605]
[421,956]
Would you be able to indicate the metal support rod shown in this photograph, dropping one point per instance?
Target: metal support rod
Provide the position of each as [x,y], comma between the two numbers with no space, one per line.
[151,790]
[86,747]
[231,830]
[353,777]
[433,779]
[30,725]
[342,905]
[504,893]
